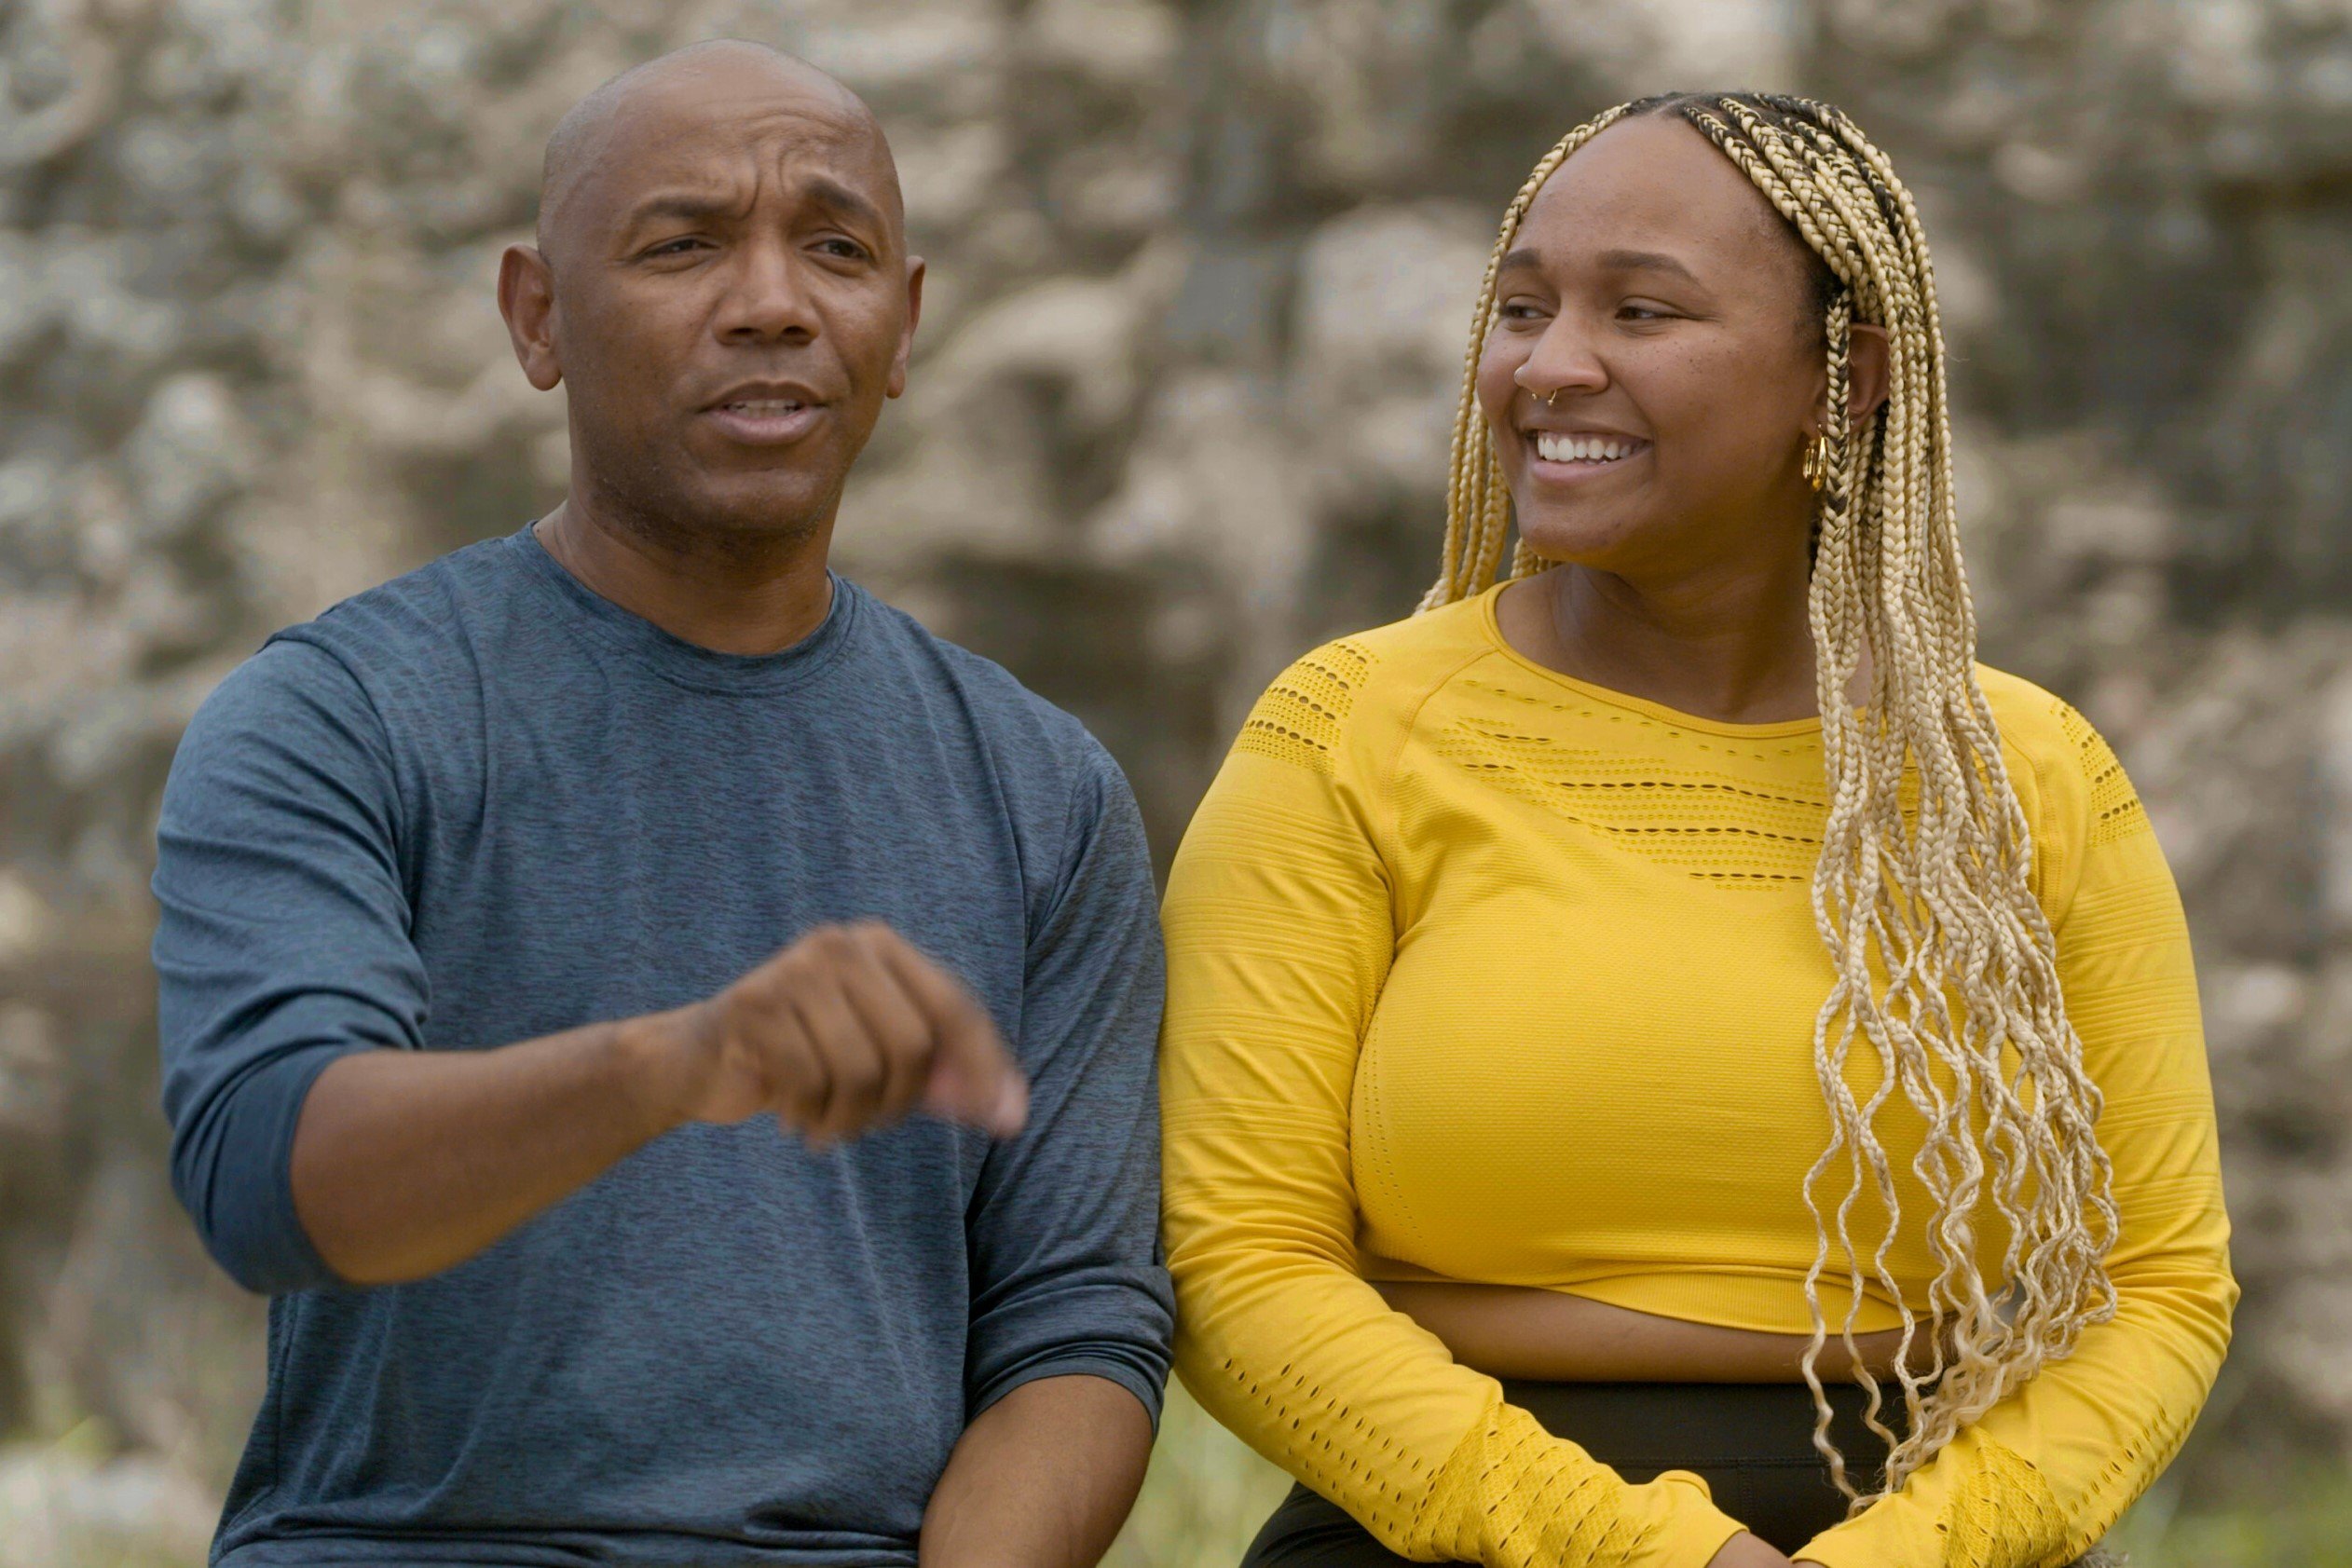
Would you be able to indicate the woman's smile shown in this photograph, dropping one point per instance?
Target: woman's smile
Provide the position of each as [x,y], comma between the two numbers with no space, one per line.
[1579,457]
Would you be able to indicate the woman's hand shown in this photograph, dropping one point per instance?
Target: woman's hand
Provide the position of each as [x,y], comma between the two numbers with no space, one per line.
[1744,1550]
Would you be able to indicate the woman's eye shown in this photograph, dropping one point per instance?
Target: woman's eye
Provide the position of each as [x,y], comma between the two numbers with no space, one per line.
[1517,311]
[1640,313]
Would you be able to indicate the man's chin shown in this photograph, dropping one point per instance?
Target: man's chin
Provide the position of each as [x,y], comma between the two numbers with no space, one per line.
[687,498]
[783,517]
[755,511]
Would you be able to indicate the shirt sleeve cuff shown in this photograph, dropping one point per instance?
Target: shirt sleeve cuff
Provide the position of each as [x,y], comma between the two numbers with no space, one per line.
[1887,1532]
[1695,1529]
[236,1174]
[1146,1392]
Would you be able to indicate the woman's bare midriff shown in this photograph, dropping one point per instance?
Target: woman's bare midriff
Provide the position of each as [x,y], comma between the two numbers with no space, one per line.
[1509,1331]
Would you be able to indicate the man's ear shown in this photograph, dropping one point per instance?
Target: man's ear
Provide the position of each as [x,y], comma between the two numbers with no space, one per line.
[898,382]
[1866,372]
[527,298]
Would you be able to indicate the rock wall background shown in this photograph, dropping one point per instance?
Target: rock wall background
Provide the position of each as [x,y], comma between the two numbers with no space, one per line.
[1199,276]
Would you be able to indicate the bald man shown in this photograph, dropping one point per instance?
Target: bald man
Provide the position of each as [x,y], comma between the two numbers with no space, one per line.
[673,1037]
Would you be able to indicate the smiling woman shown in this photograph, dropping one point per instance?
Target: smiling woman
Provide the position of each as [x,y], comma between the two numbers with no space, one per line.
[1625,1015]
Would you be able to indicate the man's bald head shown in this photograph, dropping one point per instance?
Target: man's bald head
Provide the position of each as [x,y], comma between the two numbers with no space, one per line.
[722,283]
[642,105]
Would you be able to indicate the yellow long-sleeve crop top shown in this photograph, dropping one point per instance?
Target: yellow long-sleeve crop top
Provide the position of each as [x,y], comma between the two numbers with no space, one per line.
[1477,971]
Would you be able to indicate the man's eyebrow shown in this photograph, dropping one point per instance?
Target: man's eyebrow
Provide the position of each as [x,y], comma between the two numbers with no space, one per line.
[835,194]
[695,207]
[687,205]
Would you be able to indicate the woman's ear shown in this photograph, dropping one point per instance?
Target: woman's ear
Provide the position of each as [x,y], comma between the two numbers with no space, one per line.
[1866,372]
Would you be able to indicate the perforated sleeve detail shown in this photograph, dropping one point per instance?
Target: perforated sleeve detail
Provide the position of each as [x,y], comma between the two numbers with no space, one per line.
[1339,1452]
[2126,1475]
[2115,809]
[1505,1500]
[1298,720]
[2003,1512]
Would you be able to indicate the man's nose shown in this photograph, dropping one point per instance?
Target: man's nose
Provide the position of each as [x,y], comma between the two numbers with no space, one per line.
[766,299]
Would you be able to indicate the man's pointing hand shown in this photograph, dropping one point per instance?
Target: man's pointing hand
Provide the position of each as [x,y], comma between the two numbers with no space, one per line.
[846,1030]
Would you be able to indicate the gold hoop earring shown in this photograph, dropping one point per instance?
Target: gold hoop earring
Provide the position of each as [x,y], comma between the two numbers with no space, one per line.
[1816,460]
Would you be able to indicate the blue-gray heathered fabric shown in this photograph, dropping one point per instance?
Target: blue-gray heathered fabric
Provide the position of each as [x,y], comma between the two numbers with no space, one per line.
[481,804]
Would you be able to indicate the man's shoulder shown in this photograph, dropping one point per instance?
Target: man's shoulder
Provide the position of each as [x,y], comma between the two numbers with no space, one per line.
[342,692]
[416,622]
[1012,721]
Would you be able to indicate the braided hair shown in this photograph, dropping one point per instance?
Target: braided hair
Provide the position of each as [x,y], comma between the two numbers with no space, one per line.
[1945,964]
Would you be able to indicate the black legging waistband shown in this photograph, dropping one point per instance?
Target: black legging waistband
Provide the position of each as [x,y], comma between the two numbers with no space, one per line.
[1751,1441]
[1652,1426]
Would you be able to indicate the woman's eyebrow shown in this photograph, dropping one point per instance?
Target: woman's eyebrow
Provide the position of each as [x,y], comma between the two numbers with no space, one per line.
[1646,261]
[1527,256]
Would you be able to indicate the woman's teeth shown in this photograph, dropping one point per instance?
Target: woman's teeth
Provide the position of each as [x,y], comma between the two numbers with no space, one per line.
[1582,449]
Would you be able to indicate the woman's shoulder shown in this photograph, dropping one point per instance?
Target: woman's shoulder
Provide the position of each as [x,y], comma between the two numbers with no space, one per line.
[2074,790]
[2033,719]
[2048,729]
[1327,700]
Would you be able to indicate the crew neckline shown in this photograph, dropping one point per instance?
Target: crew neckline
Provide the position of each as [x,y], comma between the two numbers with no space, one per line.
[672,657]
[1626,700]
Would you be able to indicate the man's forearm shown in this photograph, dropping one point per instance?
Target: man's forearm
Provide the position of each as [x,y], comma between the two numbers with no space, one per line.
[406,1162]
[1042,1479]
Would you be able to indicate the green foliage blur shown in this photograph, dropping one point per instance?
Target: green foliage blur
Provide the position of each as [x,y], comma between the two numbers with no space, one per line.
[1206,1494]
[65,1503]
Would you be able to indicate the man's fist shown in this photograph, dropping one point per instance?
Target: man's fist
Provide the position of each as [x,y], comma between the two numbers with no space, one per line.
[845,1030]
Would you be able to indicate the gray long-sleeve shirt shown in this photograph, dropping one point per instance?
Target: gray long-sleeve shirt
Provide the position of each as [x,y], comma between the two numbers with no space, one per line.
[481,804]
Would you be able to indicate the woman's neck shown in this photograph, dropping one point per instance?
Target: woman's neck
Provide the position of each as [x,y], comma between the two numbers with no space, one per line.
[1729,642]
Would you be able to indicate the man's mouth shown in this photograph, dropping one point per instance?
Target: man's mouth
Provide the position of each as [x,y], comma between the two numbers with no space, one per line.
[765,422]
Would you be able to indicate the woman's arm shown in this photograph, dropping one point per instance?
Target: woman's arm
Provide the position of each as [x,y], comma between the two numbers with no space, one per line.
[2047,1471]
[1280,936]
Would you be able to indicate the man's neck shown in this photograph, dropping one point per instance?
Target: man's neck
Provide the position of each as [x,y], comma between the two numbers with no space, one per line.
[725,592]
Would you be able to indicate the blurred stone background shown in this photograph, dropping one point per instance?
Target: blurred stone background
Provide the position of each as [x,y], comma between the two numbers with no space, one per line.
[1201,271]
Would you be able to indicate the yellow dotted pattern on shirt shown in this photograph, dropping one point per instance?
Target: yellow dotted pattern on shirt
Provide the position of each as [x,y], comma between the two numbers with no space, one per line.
[2115,809]
[1737,820]
[1299,718]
